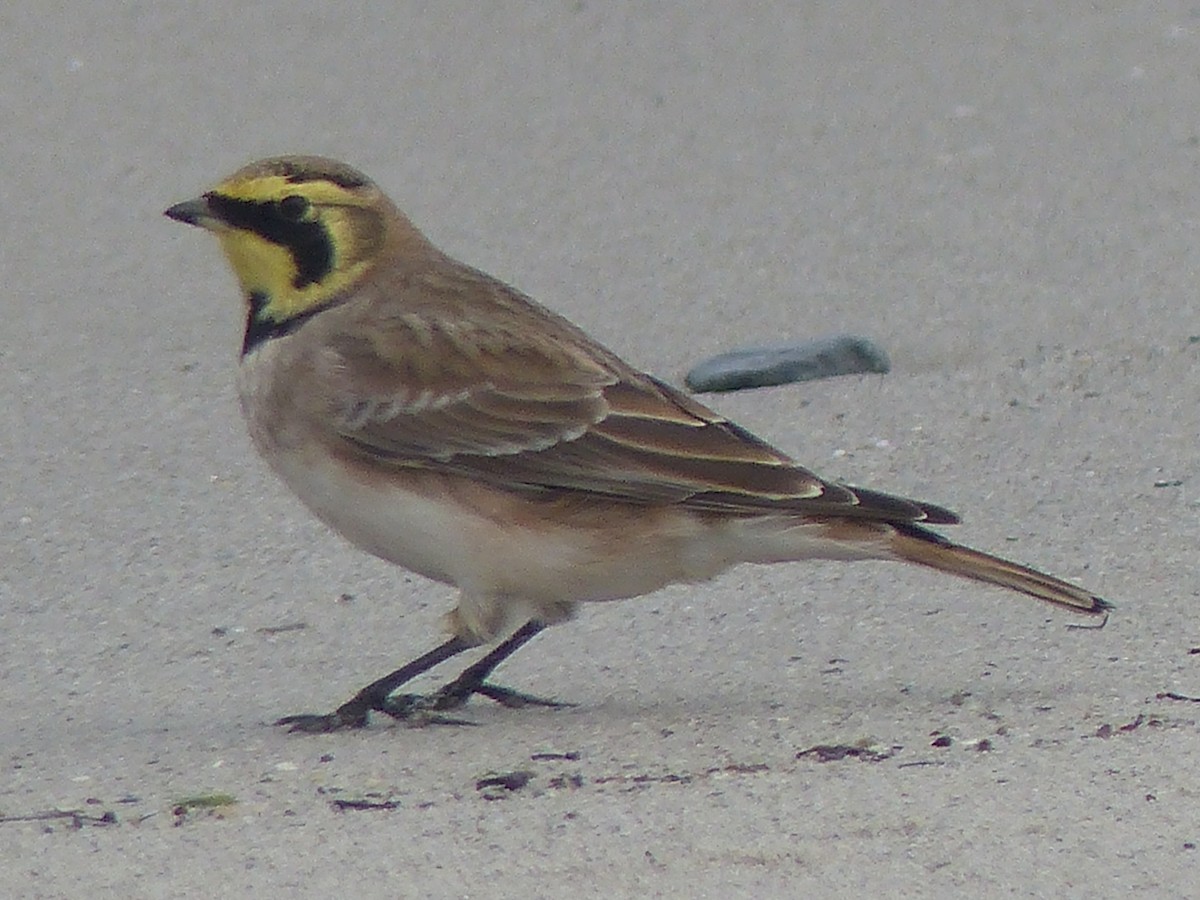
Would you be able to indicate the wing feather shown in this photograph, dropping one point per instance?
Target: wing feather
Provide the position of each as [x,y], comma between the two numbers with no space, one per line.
[493,393]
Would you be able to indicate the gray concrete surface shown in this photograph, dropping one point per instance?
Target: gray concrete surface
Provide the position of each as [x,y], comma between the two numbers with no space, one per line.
[1005,199]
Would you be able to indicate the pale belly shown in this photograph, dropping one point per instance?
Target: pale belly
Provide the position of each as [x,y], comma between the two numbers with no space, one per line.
[455,532]
[489,542]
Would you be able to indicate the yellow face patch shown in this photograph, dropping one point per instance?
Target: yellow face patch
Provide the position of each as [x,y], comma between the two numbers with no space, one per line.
[294,244]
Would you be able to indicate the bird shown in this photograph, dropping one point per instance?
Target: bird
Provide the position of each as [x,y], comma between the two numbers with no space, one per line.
[443,421]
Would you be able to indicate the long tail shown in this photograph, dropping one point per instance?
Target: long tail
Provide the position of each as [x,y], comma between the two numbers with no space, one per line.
[914,544]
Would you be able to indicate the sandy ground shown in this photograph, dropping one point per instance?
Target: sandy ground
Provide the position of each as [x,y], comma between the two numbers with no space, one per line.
[1005,201]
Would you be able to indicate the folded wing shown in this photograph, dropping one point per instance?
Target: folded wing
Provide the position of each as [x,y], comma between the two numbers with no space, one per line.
[499,398]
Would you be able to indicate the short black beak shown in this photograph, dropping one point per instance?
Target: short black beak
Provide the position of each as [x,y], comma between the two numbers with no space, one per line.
[192,212]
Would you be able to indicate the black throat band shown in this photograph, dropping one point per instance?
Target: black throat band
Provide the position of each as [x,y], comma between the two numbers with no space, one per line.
[259,330]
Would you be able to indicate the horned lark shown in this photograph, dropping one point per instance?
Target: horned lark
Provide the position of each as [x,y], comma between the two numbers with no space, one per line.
[447,423]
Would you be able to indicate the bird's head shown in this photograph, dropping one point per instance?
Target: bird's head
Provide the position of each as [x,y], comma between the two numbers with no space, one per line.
[298,231]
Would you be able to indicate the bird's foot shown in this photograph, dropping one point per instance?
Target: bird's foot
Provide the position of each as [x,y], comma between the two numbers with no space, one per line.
[414,709]
[456,694]
[351,714]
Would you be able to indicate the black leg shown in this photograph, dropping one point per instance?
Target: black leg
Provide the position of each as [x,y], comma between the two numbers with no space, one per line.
[353,713]
[473,681]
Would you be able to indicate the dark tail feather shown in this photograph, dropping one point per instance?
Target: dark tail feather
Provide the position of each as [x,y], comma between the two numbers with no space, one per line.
[926,548]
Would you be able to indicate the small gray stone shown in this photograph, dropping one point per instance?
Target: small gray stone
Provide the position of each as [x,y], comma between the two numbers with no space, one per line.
[841,354]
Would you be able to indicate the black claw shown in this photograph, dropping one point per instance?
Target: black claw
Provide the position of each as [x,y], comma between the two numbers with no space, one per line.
[419,710]
[312,723]
[351,714]
[423,707]
[516,699]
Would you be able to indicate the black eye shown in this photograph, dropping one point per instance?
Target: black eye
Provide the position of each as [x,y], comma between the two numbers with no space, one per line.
[293,207]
